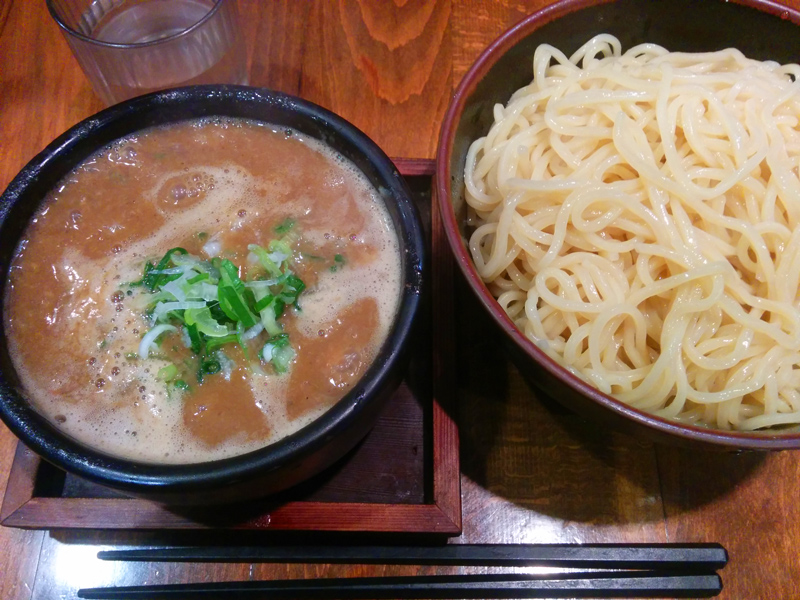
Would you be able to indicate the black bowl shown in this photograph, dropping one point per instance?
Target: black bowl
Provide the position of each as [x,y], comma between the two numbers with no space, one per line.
[294,458]
[761,29]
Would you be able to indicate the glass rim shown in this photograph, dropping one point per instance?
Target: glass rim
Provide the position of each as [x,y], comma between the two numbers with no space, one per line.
[119,45]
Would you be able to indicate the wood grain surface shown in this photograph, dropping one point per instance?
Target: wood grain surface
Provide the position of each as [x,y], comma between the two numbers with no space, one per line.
[531,471]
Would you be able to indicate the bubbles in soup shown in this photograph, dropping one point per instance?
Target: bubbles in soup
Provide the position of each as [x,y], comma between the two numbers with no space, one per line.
[201,290]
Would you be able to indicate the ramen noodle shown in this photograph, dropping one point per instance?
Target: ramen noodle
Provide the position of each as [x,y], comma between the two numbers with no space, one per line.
[636,215]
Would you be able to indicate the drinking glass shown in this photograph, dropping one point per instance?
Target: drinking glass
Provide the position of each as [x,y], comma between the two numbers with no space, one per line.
[131,47]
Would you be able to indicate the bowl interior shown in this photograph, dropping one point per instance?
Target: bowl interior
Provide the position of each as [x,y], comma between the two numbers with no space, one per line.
[23,196]
[761,30]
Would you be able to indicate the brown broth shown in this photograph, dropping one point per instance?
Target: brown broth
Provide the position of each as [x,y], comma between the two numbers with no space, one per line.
[74,323]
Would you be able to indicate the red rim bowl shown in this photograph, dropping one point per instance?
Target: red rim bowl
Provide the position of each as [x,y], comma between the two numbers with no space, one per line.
[761,29]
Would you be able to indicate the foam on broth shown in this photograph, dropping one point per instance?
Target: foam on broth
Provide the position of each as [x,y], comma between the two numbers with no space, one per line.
[213,185]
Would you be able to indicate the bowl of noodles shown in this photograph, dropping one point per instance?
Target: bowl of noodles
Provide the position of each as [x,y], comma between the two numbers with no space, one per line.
[620,185]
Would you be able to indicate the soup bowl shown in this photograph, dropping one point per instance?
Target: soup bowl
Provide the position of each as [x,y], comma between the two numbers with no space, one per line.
[293,458]
[761,30]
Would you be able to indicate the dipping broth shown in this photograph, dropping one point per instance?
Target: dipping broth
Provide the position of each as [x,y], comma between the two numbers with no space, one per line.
[285,245]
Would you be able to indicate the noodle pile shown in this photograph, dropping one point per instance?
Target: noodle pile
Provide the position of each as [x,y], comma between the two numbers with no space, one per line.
[637,215]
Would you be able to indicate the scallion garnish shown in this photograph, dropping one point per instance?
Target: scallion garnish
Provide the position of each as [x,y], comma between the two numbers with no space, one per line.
[285,227]
[338,262]
[279,352]
[214,343]
[194,337]
[150,337]
[153,275]
[211,306]
[210,366]
[167,373]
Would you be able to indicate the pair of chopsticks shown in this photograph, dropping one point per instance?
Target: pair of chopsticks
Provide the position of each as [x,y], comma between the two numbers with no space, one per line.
[617,571]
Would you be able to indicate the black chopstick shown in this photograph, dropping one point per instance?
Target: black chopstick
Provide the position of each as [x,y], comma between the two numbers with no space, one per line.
[686,557]
[640,584]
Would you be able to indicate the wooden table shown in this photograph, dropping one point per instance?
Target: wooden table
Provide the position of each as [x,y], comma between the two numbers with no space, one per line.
[531,471]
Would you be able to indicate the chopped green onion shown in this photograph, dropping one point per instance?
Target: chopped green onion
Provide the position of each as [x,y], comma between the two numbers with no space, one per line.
[266,261]
[284,227]
[231,295]
[203,320]
[292,288]
[240,331]
[281,358]
[151,336]
[279,341]
[218,314]
[281,247]
[148,268]
[195,263]
[234,306]
[263,303]
[338,262]
[229,275]
[278,307]
[214,343]
[215,307]
[268,318]
[167,373]
[252,332]
[210,367]
[152,274]
[279,352]
[164,308]
[194,337]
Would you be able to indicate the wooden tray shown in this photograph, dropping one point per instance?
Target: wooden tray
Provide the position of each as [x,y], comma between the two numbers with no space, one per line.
[404,477]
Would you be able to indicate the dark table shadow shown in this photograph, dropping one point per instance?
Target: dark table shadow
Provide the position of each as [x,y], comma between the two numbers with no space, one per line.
[526,448]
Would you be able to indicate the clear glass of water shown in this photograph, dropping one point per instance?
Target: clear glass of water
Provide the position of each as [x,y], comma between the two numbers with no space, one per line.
[132,47]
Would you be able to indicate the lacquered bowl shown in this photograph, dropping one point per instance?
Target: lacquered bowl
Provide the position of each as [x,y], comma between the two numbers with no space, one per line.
[760,29]
[296,457]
